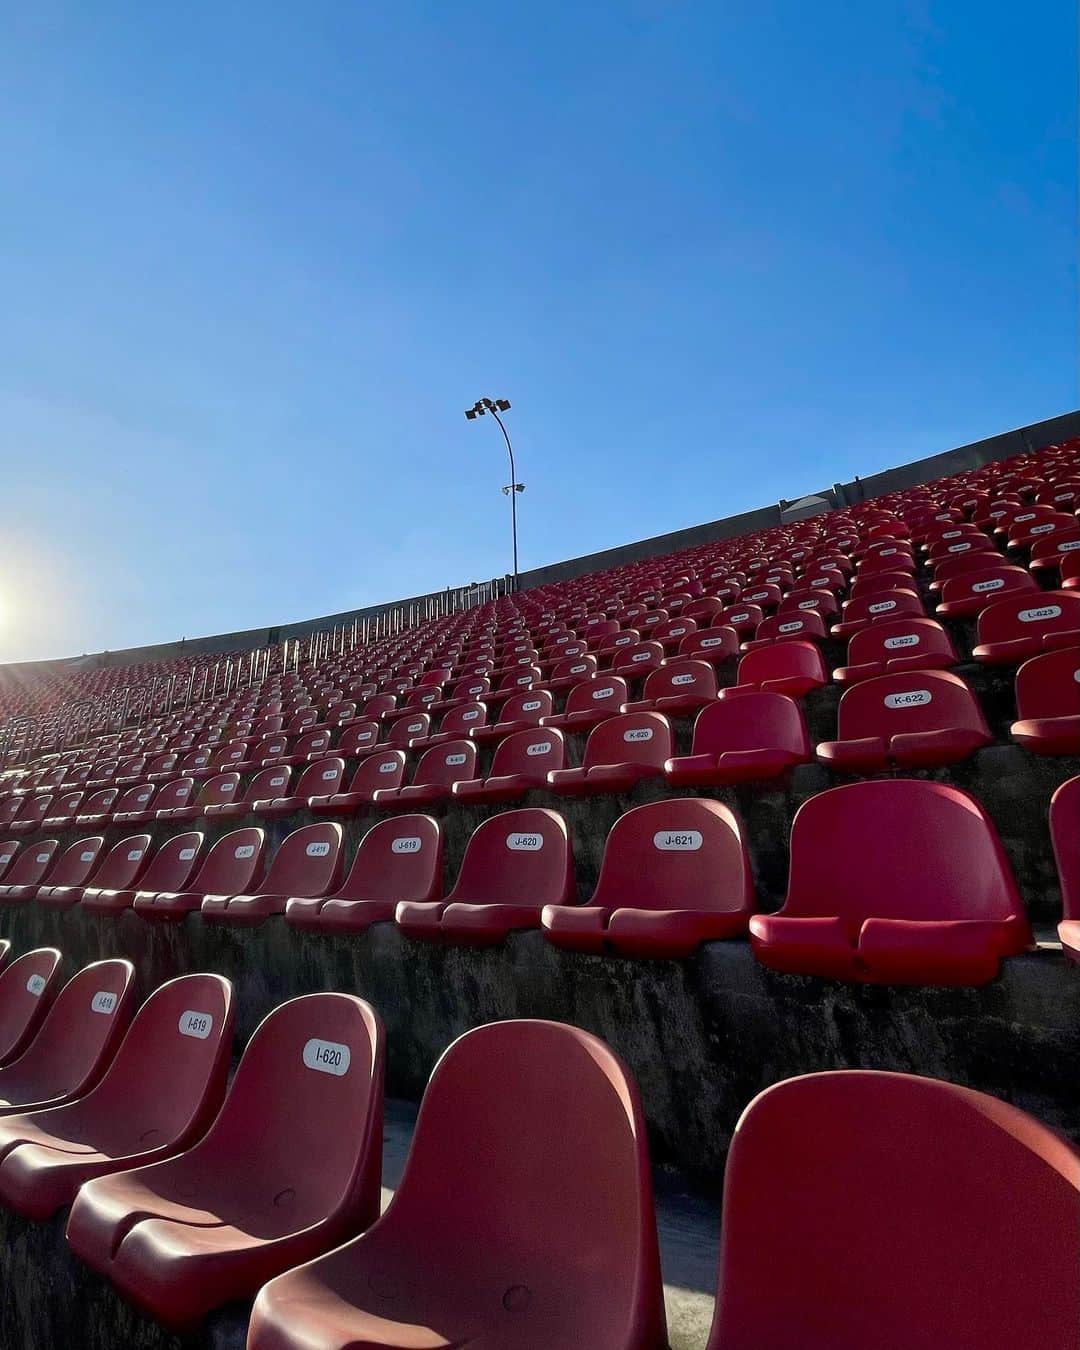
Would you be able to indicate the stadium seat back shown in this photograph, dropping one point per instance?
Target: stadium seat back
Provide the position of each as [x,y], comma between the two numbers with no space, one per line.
[174,864]
[883,1182]
[27,989]
[175,794]
[358,738]
[9,850]
[232,864]
[750,722]
[1049,685]
[519,857]
[920,701]
[320,779]
[1065,835]
[123,864]
[78,1037]
[76,864]
[168,1075]
[385,770]
[269,783]
[446,764]
[898,849]
[31,867]
[675,854]
[502,1101]
[398,859]
[631,738]
[308,862]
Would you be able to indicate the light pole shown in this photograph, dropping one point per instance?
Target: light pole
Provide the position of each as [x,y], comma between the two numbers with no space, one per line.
[494,407]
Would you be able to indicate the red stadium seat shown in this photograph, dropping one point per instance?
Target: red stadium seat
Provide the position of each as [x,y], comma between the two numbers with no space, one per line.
[436,773]
[806,627]
[31,817]
[969,593]
[404,731]
[715,645]
[62,810]
[913,721]
[264,787]
[215,791]
[679,687]
[398,859]
[357,739]
[522,761]
[386,770]
[792,668]
[170,869]
[458,722]
[638,660]
[173,796]
[1070,572]
[232,867]
[28,872]
[181,1237]
[28,987]
[674,874]
[518,713]
[9,850]
[589,703]
[739,740]
[1048,702]
[74,867]
[848,1194]
[453,1261]
[1065,835]
[1025,625]
[122,866]
[514,865]
[321,779]
[308,862]
[928,900]
[97,808]
[157,1097]
[76,1043]
[860,614]
[620,753]
[892,648]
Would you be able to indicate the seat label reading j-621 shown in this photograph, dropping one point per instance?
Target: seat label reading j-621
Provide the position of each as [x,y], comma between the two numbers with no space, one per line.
[677,841]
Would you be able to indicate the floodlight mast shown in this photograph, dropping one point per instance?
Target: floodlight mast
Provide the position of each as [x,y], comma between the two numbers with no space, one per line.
[494,407]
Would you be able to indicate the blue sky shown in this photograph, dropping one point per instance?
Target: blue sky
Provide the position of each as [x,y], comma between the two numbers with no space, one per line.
[257,258]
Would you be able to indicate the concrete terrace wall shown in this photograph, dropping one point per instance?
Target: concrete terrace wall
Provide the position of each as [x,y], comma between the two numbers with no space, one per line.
[1008,443]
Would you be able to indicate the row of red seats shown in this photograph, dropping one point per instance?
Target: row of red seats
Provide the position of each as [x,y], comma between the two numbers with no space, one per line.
[933,902]
[917,719]
[187,1197]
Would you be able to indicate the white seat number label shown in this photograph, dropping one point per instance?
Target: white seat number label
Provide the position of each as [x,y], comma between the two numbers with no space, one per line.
[195,1024]
[103,1002]
[327,1057]
[525,843]
[915,698]
[677,841]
